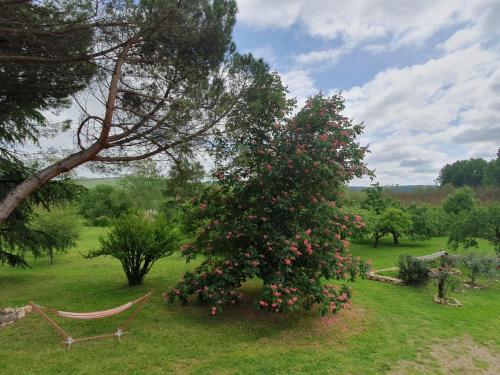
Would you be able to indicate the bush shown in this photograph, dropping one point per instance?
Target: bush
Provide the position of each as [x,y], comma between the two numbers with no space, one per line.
[138,241]
[479,265]
[59,229]
[103,202]
[413,271]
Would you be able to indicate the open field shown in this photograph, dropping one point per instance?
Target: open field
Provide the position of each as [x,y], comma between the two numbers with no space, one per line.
[390,329]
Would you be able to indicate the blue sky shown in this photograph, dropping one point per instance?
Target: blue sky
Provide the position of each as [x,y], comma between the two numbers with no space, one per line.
[424,76]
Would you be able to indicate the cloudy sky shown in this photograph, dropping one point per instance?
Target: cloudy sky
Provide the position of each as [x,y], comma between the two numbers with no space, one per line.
[424,76]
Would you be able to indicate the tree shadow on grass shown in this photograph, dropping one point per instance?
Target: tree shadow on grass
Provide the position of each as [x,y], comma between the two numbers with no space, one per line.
[298,328]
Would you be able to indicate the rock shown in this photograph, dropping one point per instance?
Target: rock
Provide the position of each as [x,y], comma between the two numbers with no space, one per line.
[7,311]
[385,279]
[7,318]
[9,315]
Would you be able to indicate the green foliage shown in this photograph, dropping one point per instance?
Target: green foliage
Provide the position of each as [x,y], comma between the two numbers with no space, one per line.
[374,200]
[464,173]
[17,237]
[479,265]
[275,215]
[446,277]
[460,201]
[413,271]
[423,223]
[138,240]
[60,228]
[392,221]
[185,180]
[143,186]
[102,203]
[481,222]
[29,89]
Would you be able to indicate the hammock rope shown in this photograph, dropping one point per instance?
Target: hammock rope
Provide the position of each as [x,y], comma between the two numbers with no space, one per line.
[120,331]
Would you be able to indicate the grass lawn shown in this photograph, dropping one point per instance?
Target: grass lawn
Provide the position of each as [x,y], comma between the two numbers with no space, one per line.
[390,329]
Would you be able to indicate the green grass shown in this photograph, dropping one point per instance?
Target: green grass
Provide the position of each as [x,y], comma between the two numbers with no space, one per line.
[387,324]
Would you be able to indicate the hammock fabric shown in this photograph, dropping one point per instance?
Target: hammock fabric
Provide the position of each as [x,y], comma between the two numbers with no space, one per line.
[120,331]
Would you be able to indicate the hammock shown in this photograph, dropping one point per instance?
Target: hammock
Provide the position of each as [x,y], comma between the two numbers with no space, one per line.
[120,331]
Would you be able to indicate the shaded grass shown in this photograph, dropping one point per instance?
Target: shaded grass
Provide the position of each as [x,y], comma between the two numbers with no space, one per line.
[387,323]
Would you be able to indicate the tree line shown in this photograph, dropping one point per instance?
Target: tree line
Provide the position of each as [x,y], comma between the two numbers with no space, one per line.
[472,172]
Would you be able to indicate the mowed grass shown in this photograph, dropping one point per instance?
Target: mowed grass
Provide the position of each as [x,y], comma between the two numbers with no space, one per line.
[386,325]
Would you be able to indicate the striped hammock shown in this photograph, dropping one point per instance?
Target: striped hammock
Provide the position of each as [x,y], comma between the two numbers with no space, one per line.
[95,314]
[69,340]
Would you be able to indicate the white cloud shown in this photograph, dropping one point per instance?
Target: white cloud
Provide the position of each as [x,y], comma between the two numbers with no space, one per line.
[330,55]
[404,21]
[300,84]
[415,116]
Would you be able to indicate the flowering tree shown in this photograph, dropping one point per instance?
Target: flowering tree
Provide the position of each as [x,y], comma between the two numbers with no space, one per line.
[273,214]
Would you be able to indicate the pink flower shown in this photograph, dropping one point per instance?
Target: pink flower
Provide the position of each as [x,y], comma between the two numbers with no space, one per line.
[288,262]
[263,303]
[269,167]
[214,310]
[308,232]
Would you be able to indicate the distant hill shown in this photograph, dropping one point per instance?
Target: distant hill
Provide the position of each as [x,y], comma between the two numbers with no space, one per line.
[91,182]
[396,188]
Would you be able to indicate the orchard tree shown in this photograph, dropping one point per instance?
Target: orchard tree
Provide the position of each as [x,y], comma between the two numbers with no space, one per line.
[423,224]
[460,202]
[274,213]
[165,78]
[482,222]
[392,221]
[374,200]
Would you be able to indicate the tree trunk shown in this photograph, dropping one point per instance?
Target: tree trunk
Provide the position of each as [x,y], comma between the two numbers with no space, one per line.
[441,289]
[375,245]
[35,182]
[395,238]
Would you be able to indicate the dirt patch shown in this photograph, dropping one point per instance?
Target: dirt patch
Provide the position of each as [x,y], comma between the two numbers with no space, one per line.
[458,356]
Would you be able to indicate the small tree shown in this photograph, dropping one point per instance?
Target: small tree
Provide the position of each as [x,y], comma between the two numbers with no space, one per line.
[412,270]
[392,221]
[478,265]
[422,222]
[274,214]
[482,222]
[460,202]
[138,241]
[59,227]
[446,281]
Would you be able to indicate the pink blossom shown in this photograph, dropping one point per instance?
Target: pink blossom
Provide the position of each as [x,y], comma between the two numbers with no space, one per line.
[288,262]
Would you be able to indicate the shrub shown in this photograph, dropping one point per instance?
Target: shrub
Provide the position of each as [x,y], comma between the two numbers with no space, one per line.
[446,278]
[138,241]
[59,229]
[413,271]
[479,265]
[275,214]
